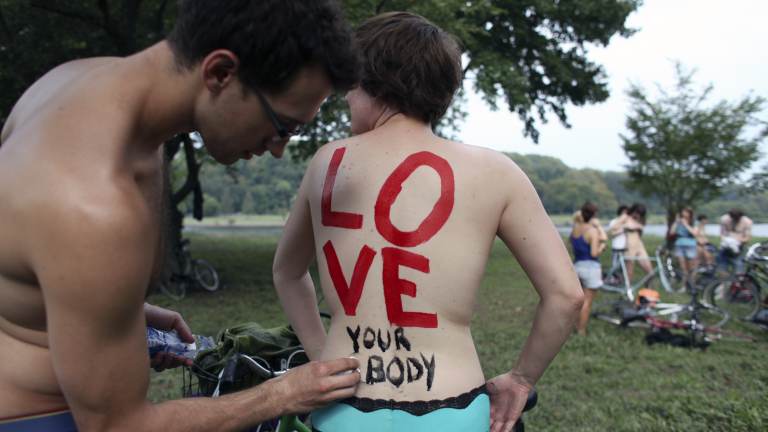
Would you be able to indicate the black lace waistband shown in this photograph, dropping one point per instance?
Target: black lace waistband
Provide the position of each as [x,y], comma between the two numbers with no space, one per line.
[416,408]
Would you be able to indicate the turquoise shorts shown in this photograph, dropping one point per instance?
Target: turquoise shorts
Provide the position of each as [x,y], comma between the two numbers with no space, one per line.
[61,421]
[469,412]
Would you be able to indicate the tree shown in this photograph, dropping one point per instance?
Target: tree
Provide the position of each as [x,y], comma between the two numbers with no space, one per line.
[567,193]
[683,150]
[249,204]
[527,55]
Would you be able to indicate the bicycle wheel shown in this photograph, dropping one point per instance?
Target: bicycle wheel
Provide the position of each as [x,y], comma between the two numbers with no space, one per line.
[738,295]
[205,275]
[704,315]
[175,289]
[670,265]
[619,312]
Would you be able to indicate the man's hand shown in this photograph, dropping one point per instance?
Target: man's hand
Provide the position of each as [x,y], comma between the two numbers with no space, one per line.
[508,392]
[164,319]
[317,384]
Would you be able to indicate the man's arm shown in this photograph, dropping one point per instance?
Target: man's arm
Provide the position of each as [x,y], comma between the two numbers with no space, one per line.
[616,227]
[747,235]
[724,226]
[290,271]
[93,267]
[538,247]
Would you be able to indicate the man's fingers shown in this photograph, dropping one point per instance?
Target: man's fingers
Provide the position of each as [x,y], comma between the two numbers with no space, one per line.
[342,393]
[347,380]
[341,365]
[167,362]
[156,360]
[508,426]
[181,327]
[496,426]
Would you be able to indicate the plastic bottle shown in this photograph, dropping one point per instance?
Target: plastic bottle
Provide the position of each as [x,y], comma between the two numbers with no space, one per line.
[169,341]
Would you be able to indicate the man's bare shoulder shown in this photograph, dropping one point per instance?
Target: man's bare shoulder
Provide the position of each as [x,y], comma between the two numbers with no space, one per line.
[76,211]
[49,86]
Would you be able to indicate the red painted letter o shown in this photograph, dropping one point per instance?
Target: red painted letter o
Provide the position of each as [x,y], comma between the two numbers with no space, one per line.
[394,185]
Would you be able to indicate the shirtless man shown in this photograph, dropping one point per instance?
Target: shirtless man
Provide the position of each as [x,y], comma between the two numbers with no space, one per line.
[401,223]
[735,232]
[80,198]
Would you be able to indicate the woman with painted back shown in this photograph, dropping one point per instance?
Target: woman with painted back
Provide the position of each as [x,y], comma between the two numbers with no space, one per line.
[401,223]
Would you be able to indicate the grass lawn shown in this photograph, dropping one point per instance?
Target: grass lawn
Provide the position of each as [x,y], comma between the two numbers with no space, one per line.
[609,380]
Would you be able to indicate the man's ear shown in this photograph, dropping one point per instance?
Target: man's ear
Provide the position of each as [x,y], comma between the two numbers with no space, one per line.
[219,69]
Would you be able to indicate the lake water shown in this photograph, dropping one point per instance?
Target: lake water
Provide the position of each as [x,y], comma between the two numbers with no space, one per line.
[659,230]
[758,230]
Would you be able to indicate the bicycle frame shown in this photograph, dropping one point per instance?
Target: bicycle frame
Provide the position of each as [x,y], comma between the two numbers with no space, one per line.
[628,289]
[287,423]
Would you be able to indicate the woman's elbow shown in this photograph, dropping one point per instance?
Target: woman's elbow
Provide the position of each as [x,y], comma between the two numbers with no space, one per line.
[280,272]
[567,300]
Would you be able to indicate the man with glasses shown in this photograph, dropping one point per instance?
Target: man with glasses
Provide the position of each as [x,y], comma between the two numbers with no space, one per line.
[80,200]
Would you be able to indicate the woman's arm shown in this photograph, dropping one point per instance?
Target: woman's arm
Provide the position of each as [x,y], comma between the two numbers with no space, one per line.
[690,229]
[538,247]
[290,272]
[596,243]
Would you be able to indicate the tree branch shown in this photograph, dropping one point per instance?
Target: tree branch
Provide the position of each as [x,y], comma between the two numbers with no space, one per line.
[193,169]
[469,66]
[81,16]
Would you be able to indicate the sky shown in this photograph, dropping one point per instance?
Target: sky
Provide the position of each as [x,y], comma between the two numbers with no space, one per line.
[723,40]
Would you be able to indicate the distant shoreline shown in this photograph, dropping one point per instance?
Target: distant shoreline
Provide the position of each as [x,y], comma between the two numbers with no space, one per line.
[273,224]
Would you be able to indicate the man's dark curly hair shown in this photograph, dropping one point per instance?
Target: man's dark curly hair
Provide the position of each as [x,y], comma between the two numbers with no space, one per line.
[409,64]
[273,39]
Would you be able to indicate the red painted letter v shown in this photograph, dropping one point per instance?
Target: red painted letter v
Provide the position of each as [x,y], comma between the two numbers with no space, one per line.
[349,295]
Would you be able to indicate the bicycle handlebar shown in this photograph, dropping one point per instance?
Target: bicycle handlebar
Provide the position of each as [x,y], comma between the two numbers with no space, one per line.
[755,252]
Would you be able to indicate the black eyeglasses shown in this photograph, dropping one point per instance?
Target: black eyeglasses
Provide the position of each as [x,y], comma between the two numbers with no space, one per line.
[282,131]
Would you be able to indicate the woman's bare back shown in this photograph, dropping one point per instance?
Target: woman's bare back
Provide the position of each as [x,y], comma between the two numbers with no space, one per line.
[403,227]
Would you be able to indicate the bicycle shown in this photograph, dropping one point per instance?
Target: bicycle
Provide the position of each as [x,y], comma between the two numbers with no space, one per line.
[742,295]
[262,368]
[701,322]
[703,274]
[189,272]
[617,280]
[625,309]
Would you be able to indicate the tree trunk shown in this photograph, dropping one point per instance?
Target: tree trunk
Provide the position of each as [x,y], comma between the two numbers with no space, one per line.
[173,218]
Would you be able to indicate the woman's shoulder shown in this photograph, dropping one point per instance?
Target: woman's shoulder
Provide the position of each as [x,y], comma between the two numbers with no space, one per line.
[489,165]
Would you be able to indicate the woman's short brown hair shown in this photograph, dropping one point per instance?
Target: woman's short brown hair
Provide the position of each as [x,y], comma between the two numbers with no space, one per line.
[409,64]
[588,211]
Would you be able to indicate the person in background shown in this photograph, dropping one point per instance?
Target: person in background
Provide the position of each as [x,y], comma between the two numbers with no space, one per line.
[702,241]
[684,233]
[588,241]
[635,247]
[618,236]
[735,231]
